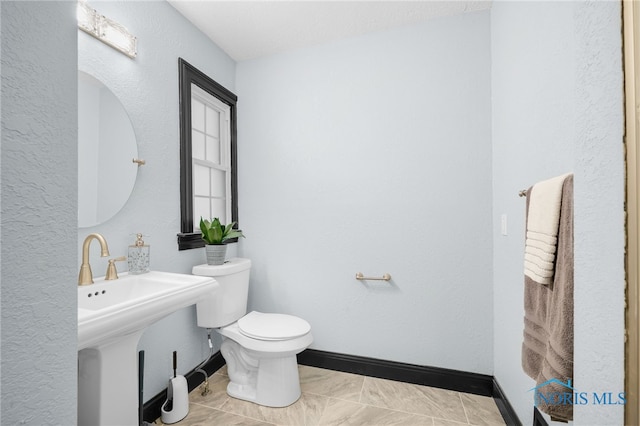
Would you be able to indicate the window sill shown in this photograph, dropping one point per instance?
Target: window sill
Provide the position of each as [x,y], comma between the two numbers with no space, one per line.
[194,240]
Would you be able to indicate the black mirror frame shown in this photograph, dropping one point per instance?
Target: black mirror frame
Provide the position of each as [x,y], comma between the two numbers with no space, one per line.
[187,74]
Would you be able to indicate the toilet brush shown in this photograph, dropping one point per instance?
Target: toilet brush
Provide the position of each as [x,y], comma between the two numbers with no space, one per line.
[176,407]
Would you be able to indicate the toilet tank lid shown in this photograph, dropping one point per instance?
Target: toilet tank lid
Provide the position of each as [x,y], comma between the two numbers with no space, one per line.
[229,267]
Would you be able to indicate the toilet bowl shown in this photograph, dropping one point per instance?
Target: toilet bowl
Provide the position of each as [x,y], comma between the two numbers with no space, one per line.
[259,348]
[261,364]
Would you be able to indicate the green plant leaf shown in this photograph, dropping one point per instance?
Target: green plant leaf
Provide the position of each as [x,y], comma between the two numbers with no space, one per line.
[234,234]
[216,235]
[203,226]
[204,229]
[215,232]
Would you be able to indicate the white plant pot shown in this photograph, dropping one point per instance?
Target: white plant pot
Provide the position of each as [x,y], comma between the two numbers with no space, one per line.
[216,253]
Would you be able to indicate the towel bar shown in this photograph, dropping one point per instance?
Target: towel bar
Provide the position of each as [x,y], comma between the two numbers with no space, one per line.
[385,277]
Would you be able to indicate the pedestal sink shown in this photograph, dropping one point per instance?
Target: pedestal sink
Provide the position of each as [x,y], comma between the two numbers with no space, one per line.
[112,316]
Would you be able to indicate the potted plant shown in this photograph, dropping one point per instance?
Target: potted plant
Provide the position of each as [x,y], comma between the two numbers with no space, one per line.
[215,235]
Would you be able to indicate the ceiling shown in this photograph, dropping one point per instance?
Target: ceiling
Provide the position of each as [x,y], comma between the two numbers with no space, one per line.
[251,29]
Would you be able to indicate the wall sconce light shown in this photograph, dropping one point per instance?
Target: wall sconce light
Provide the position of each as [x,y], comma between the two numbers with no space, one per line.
[106,30]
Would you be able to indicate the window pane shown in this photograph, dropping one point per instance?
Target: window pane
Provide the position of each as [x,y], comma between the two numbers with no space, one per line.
[197,115]
[213,149]
[197,145]
[201,208]
[200,180]
[218,183]
[213,122]
[219,210]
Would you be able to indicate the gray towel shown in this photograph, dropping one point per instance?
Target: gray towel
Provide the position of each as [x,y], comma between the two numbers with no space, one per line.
[547,349]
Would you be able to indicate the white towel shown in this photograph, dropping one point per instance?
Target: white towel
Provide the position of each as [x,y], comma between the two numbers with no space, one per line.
[545,199]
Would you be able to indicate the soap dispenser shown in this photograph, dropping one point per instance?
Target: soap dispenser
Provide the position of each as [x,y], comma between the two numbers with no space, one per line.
[138,256]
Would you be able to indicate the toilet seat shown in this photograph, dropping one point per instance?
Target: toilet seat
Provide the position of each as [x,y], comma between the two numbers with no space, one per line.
[261,326]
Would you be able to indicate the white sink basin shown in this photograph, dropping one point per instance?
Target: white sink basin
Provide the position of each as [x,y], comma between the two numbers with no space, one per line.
[111,318]
[107,309]
[128,289]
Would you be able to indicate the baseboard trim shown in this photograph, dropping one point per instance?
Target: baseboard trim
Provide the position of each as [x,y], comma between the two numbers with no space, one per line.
[538,418]
[507,411]
[151,408]
[479,384]
[461,381]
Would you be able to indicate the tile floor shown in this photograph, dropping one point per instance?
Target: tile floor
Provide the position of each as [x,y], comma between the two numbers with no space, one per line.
[335,398]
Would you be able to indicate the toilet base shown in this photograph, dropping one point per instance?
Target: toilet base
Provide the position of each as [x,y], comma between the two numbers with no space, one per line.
[272,381]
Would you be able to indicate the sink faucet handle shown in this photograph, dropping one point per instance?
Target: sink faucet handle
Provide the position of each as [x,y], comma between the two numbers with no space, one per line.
[112,272]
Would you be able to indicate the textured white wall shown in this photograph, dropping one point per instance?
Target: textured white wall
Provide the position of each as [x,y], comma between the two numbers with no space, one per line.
[148,88]
[533,116]
[362,159]
[39,191]
[599,210]
[557,107]
[373,154]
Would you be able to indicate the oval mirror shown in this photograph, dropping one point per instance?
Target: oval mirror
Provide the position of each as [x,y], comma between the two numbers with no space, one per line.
[106,150]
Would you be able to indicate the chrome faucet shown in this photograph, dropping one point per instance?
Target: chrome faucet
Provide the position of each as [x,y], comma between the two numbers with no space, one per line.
[86,276]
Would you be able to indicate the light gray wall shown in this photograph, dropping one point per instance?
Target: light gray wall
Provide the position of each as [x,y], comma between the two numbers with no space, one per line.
[599,209]
[373,154]
[557,107]
[533,116]
[148,88]
[362,163]
[38,184]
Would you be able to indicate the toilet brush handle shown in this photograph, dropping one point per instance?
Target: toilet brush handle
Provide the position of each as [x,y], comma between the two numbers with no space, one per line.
[175,362]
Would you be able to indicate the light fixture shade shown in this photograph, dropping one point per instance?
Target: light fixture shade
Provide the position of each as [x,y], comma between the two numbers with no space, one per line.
[87,18]
[106,30]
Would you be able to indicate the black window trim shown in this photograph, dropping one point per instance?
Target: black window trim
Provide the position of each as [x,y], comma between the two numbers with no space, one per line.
[187,74]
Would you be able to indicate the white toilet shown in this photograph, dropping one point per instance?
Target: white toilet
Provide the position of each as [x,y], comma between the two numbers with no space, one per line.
[260,349]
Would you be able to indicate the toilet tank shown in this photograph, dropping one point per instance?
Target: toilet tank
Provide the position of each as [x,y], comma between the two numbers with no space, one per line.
[229,303]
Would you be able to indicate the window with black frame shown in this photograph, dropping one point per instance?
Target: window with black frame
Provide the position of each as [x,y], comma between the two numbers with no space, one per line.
[208,154]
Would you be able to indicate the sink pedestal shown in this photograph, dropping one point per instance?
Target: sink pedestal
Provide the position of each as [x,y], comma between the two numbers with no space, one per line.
[108,382]
[112,315]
